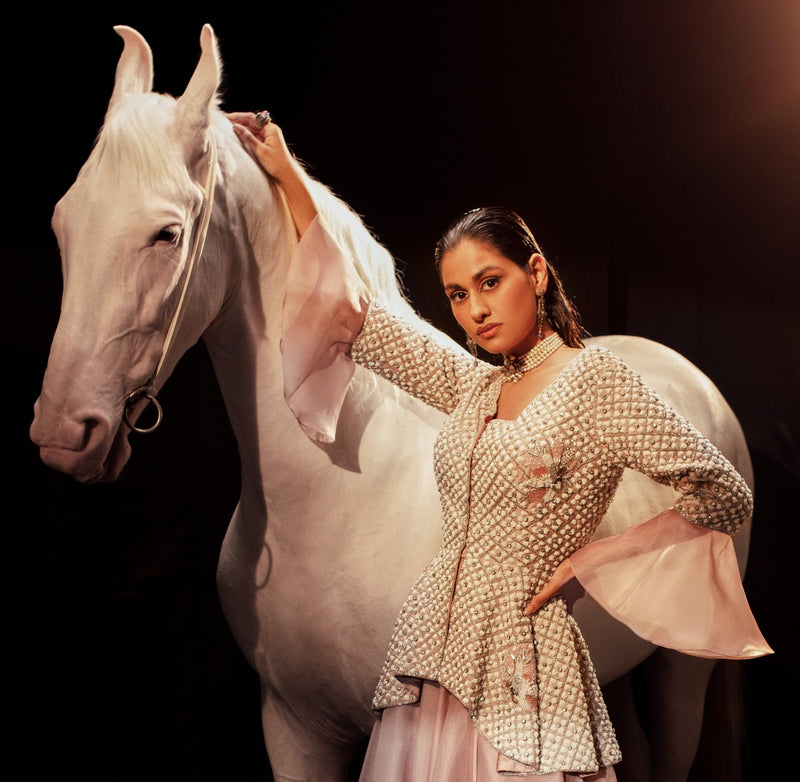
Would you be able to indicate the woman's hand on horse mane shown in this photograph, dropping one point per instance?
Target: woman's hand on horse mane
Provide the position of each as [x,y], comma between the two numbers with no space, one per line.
[267,145]
[564,574]
[269,148]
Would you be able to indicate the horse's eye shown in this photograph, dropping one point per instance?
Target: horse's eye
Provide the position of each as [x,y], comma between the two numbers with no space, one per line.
[171,234]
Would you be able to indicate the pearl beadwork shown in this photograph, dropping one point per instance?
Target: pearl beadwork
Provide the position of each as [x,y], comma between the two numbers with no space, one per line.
[518,497]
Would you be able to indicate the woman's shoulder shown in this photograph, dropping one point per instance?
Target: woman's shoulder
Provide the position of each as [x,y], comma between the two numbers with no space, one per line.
[592,358]
[595,366]
[599,358]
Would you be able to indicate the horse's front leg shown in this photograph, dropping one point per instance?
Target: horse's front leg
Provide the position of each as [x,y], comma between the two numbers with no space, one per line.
[301,752]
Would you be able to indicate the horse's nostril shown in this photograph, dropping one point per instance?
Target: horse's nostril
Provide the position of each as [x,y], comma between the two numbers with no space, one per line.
[81,436]
[89,427]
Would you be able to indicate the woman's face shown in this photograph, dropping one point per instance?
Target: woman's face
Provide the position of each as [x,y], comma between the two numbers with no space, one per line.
[492,298]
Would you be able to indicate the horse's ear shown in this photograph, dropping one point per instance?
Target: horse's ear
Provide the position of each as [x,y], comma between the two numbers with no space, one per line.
[135,66]
[201,93]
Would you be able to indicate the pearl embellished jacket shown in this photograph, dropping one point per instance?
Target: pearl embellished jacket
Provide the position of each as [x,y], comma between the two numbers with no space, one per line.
[518,497]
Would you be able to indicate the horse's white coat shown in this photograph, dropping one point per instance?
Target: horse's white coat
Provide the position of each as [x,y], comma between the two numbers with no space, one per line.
[325,540]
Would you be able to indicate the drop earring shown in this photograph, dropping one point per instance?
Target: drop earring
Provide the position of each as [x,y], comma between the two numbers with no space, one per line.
[541,315]
[472,346]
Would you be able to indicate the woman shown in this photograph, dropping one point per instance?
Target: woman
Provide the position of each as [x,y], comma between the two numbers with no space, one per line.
[487,673]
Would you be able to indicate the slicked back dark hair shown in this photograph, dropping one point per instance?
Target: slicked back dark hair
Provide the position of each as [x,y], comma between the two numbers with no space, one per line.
[506,232]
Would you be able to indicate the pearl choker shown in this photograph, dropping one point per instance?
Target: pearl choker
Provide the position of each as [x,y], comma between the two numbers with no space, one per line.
[516,366]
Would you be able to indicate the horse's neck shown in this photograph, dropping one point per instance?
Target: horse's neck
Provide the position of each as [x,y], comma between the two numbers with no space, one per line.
[247,252]
[256,235]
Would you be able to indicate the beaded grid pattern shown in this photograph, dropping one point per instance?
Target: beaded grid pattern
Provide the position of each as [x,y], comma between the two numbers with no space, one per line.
[518,497]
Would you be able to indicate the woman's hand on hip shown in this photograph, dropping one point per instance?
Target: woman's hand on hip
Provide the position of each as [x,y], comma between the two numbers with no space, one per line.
[555,586]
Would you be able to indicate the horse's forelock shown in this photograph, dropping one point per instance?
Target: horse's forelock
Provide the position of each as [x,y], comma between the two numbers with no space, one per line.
[136,141]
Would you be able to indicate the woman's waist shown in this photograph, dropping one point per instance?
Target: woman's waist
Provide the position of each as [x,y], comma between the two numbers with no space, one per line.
[510,552]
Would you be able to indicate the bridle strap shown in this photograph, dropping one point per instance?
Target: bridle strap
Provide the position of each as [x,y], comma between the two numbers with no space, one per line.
[148,390]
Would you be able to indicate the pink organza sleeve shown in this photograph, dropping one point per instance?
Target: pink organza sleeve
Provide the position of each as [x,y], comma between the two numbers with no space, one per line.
[323,311]
[674,584]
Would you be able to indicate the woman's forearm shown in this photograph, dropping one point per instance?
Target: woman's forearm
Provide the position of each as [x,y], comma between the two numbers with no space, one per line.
[295,186]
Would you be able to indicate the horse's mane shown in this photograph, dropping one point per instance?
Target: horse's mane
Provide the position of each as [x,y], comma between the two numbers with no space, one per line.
[372,261]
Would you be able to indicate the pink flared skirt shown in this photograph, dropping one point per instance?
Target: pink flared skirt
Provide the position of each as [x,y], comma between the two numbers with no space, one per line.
[434,740]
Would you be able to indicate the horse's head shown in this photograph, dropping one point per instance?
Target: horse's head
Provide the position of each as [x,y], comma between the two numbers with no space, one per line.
[126,231]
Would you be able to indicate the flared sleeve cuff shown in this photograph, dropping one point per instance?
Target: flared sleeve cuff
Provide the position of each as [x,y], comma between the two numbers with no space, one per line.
[323,311]
[674,584]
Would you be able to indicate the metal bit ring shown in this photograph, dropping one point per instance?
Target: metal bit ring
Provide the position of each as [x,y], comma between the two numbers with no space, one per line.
[133,399]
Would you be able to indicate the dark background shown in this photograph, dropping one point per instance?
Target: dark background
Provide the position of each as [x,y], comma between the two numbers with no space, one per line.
[653,147]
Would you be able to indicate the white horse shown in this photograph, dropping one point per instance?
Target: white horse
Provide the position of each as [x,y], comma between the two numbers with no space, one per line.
[325,540]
